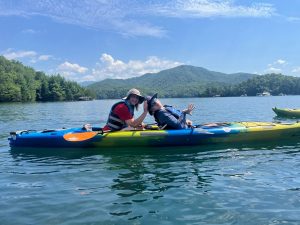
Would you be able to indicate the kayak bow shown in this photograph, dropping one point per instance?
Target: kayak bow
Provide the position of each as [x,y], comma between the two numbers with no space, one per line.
[287,112]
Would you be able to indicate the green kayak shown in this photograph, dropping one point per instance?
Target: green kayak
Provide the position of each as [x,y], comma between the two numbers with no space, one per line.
[287,112]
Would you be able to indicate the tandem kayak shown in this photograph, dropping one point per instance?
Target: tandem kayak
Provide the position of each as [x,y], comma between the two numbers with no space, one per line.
[214,133]
[287,112]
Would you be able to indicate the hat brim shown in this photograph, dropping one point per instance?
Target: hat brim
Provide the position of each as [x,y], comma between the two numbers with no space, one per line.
[150,102]
[141,98]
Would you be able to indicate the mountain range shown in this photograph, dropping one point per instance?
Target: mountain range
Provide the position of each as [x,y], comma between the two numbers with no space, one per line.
[181,81]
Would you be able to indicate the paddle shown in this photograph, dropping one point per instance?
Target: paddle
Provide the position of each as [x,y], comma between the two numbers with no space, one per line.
[83,136]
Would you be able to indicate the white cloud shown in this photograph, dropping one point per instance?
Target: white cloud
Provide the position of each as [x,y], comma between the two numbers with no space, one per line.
[279,62]
[129,17]
[30,55]
[273,70]
[10,54]
[276,67]
[69,68]
[296,70]
[108,67]
[282,66]
[108,15]
[72,71]
[44,57]
[213,8]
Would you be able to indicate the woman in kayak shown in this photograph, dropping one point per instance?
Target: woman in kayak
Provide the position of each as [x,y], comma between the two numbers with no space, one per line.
[167,116]
[121,113]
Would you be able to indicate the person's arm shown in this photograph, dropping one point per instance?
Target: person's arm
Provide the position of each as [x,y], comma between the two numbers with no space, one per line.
[137,122]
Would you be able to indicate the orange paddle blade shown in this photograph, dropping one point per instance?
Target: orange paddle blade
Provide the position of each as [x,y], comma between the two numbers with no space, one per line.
[80,136]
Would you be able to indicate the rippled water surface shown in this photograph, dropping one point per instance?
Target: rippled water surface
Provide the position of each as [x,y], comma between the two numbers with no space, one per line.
[255,183]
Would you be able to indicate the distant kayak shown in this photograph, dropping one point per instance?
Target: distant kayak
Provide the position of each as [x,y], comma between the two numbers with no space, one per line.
[205,134]
[287,112]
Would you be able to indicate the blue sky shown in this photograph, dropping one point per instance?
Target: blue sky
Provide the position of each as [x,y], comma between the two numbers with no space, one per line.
[93,40]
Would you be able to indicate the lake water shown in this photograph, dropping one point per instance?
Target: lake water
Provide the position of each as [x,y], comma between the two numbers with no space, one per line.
[250,184]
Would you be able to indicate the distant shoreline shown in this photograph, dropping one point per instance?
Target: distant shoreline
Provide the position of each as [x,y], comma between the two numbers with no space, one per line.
[161,98]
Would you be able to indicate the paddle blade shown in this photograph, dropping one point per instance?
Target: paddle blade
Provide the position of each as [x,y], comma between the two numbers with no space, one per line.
[80,136]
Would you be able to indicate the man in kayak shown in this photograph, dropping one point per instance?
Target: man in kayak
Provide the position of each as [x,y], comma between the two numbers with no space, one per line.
[121,113]
[167,116]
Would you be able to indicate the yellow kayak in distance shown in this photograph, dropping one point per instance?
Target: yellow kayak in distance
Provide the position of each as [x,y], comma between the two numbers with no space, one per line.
[285,112]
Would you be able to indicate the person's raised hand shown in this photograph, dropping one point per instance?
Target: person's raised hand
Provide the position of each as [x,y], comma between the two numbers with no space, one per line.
[189,110]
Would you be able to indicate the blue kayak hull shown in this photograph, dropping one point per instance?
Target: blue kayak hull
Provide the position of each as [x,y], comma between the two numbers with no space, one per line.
[201,135]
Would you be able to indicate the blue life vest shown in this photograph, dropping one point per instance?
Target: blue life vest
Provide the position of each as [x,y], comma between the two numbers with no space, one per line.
[175,112]
[114,122]
[170,109]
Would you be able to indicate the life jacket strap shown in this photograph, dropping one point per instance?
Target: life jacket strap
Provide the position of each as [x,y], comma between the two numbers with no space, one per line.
[113,126]
[116,119]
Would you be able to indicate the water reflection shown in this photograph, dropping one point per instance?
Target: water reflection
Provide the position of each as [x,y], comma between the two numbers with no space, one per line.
[135,184]
[144,179]
[138,176]
[285,119]
[182,151]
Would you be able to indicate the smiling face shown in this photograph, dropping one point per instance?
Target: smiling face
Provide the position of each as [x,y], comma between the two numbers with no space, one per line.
[133,99]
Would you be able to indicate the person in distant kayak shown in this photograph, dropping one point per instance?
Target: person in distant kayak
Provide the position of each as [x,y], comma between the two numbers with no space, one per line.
[121,113]
[167,117]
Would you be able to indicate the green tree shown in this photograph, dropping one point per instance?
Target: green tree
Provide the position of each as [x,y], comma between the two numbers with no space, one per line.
[21,83]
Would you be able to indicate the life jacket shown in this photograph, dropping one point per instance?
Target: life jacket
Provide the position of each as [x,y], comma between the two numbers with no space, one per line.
[114,122]
[175,112]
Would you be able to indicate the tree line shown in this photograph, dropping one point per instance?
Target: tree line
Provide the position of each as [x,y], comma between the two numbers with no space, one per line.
[275,84]
[19,83]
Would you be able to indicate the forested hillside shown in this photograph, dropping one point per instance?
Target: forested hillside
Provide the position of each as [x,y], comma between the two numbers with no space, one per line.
[19,83]
[181,81]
